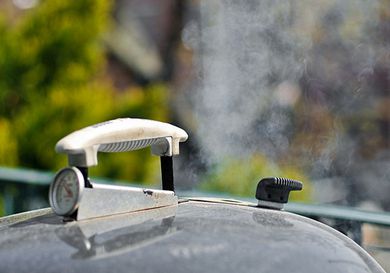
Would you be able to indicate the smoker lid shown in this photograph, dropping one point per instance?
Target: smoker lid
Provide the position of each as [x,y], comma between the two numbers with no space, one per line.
[193,236]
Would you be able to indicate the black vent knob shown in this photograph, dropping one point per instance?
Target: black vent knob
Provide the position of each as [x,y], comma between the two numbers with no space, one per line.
[274,191]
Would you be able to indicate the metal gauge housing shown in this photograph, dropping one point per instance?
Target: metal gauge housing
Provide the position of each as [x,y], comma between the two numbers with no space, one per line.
[66,191]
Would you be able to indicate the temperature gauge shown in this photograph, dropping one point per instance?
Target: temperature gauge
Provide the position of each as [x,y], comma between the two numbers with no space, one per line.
[66,190]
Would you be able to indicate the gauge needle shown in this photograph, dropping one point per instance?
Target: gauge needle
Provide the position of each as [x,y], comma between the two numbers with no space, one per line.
[68,191]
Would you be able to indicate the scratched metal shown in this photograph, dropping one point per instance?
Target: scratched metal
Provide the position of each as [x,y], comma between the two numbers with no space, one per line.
[194,236]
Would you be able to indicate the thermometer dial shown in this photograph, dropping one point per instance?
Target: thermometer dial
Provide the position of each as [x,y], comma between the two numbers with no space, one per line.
[66,190]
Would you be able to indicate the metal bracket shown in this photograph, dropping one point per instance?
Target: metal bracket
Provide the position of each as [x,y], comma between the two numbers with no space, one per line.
[104,200]
[167,173]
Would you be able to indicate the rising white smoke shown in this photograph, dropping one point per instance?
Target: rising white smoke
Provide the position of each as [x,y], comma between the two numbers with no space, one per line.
[244,51]
[256,59]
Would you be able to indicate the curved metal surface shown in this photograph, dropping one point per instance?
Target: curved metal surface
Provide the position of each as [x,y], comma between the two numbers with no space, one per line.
[193,236]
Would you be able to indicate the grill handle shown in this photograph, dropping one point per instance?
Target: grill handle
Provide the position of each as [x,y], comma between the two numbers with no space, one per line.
[120,135]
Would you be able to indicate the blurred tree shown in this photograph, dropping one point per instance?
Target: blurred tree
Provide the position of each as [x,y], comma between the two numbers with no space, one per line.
[239,176]
[55,44]
[52,117]
[53,81]
[8,144]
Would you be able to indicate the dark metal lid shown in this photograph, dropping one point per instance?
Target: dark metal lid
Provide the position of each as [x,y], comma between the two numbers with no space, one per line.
[193,237]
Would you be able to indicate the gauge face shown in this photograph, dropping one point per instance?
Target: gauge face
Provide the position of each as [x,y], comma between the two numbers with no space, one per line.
[65,191]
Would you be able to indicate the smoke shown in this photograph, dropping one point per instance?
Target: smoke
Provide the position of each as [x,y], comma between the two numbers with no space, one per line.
[305,80]
[244,50]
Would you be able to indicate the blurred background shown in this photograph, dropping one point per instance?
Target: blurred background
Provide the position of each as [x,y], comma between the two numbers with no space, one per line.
[299,89]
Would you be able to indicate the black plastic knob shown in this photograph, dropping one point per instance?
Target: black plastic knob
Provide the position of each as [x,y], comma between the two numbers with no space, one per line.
[276,189]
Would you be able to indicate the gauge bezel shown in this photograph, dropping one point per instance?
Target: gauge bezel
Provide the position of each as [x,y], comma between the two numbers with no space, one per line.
[54,188]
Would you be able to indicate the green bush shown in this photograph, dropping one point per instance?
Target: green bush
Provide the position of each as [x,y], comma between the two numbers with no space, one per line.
[55,44]
[64,111]
[239,176]
[8,144]
[53,81]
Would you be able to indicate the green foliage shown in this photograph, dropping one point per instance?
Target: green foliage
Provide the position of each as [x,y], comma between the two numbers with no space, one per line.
[47,119]
[57,43]
[239,176]
[8,144]
[52,82]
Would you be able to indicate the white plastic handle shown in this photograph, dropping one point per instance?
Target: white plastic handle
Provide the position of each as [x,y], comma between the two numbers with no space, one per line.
[119,135]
